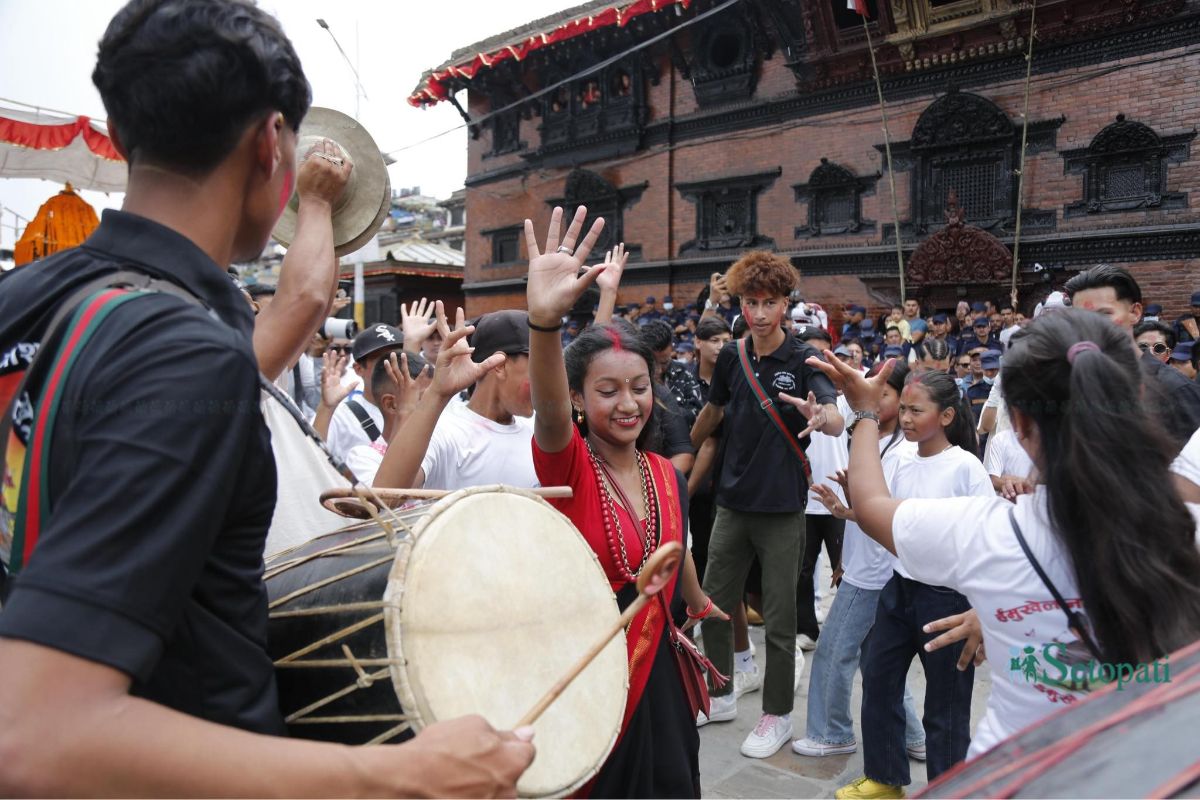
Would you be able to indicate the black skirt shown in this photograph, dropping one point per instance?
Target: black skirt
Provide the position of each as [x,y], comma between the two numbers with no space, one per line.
[659,755]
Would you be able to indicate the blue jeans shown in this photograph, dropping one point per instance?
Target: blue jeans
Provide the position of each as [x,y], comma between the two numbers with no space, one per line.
[834,664]
[905,606]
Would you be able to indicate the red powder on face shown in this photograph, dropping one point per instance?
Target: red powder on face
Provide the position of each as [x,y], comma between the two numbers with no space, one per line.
[615,338]
[285,191]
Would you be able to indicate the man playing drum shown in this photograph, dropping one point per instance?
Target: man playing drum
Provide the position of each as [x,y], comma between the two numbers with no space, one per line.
[135,512]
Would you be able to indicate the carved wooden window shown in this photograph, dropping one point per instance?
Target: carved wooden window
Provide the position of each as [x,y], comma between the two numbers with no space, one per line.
[725,61]
[727,212]
[1125,168]
[916,17]
[506,244]
[834,200]
[506,132]
[602,199]
[963,142]
[605,110]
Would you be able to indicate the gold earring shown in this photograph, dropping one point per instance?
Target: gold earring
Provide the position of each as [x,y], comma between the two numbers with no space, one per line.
[579,416]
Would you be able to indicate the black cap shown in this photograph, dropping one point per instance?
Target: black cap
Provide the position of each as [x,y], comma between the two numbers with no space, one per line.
[376,338]
[501,332]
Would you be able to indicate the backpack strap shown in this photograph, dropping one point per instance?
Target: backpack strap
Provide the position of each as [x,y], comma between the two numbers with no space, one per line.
[364,419]
[78,318]
[768,407]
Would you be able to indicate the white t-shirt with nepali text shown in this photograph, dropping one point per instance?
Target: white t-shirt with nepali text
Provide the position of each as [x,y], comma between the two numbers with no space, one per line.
[968,544]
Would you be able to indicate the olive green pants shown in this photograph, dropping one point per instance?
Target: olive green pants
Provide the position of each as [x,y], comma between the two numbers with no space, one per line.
[778,541]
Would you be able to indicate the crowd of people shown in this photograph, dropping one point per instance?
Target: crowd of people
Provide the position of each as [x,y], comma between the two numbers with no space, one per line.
[984,484]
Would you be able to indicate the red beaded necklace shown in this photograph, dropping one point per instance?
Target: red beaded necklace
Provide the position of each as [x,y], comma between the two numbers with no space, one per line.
[612,523]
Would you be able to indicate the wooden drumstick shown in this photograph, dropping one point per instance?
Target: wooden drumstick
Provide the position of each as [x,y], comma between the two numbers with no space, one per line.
[653,577]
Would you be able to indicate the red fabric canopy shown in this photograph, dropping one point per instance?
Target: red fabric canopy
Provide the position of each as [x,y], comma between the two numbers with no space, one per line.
[65,149]
[435,89]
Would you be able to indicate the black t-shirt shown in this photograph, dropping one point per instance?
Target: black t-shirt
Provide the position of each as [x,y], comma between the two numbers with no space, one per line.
[1172,399]
[161,481]
[673,424]
[759,470]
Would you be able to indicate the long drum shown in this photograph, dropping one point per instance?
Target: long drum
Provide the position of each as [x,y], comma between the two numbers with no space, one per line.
[474,604]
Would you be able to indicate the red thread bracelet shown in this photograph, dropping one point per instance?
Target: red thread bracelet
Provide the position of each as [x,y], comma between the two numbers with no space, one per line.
[704,612]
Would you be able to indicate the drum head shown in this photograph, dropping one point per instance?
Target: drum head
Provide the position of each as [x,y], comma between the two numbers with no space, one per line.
[498,597]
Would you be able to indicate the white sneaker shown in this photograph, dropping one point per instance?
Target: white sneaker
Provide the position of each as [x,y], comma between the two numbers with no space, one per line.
[807,747]
[720,709]
[748,681]
[770,734]
[916,751]
[806,643]
[799,669]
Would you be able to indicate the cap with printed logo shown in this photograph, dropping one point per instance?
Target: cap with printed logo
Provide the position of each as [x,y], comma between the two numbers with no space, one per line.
[376,338]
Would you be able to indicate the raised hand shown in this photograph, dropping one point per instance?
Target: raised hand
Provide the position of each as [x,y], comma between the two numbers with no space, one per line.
[332,389]
[555,282]
[813,411]
[832,502]
[862,393]
[323,173]
[614,266]
[455,370]
[717,287]
[408,393]
[416,323]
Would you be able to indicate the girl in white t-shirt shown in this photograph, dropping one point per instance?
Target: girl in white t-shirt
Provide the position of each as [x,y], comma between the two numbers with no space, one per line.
[1114,540]
[866,568]
[938,420]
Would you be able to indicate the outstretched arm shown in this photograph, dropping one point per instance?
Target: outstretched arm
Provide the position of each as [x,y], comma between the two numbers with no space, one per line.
[554,286]
[873,505]
[308,275]
[609,282]
[455,371]
[706,423]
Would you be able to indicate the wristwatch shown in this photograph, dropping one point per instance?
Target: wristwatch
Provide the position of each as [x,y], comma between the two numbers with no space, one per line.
[858,416]
[709,305]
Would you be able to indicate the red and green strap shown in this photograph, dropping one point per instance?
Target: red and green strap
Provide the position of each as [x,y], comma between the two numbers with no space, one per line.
[33,499]
[768,407]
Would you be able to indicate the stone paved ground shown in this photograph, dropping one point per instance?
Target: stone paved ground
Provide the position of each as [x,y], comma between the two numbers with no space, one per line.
[726,773]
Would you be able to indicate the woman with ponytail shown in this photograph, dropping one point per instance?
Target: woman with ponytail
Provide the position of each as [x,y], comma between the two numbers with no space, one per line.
[593,424]
[937,419]
[1120,582]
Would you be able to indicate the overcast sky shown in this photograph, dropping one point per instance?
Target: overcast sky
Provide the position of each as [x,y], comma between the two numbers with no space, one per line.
[48,49]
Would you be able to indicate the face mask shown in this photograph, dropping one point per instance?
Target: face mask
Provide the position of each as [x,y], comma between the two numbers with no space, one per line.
[988,381]
[668,306]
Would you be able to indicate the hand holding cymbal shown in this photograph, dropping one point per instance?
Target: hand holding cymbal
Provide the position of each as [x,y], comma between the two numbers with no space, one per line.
[651,580]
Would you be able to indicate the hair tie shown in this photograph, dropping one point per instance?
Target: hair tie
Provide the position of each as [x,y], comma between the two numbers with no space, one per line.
[1074,350]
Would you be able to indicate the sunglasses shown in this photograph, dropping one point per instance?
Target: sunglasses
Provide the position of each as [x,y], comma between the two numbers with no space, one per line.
[964,363]
[339,348]
[1158,348]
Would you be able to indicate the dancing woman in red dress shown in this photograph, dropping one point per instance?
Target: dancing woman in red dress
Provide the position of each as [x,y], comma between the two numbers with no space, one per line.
[593,416]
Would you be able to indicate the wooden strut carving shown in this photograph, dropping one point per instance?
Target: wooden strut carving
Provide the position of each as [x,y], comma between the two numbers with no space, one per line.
[959,254]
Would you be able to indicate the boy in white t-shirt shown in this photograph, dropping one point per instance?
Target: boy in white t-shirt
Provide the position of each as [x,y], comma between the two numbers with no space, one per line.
[489,439]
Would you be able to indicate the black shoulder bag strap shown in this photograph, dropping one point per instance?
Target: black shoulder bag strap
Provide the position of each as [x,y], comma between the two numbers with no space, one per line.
[368,425]
[1075,620]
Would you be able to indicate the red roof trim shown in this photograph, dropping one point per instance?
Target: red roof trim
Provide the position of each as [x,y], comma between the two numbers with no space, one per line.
[435,89]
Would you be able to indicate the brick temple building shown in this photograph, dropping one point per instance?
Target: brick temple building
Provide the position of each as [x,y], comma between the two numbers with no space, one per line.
[701,129]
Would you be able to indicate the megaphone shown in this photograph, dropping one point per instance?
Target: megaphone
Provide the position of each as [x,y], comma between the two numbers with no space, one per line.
[360,211]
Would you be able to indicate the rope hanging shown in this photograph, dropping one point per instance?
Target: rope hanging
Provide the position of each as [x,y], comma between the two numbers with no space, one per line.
[1021,165]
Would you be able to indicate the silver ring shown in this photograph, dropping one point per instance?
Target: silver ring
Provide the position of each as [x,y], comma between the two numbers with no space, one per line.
[337,162]
[562,248]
